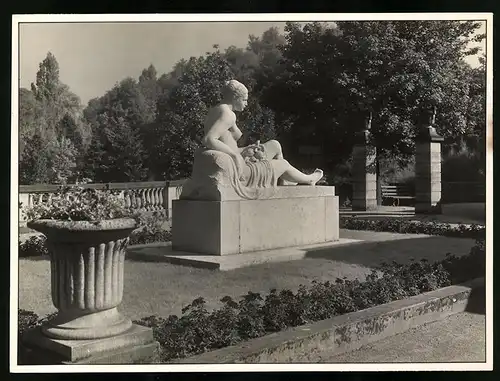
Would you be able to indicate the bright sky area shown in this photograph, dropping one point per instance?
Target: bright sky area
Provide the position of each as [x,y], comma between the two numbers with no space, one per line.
[93,57]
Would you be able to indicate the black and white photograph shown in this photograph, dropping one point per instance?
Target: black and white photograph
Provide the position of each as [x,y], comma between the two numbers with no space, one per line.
[251,192]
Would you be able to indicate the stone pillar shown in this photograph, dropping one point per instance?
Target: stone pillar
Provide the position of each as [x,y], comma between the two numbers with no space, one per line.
[364,174]
[428,171]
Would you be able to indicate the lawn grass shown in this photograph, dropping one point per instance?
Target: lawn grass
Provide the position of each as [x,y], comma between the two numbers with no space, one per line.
[163,289]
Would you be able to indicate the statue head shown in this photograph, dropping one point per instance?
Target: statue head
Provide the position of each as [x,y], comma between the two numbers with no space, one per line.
[236,93]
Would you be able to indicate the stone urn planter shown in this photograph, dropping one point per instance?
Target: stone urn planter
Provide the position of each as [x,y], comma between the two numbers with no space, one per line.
[87,263]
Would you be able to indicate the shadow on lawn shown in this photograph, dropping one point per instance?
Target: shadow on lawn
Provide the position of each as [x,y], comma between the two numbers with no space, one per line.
[372,253]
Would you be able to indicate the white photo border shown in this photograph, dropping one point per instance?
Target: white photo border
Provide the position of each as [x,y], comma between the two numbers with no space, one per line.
[255,17]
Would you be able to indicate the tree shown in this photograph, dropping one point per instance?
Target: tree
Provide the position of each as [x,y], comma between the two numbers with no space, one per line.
[55,97]
[50,115]
[29,116]
[304,94]
[336,77]
[267,50]
[476,107]
[182,110]
[62,161]
[47,79]
[167,82]
[116,152]
[148,85]
[258,122]
[244,64]
[76,130]
[34,163]
[117,121]
[181,113]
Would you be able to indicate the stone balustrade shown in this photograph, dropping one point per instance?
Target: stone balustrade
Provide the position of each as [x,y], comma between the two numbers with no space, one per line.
[158,195]
[148,196]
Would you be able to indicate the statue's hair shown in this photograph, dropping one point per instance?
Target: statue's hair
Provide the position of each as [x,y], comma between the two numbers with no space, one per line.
[234,89]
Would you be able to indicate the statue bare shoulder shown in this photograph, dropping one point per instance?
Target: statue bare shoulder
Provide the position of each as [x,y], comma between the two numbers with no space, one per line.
[219,119]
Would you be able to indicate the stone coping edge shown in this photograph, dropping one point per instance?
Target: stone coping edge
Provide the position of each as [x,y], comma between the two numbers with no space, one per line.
[346,332]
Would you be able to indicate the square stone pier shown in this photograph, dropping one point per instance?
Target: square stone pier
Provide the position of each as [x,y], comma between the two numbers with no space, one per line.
[234,232]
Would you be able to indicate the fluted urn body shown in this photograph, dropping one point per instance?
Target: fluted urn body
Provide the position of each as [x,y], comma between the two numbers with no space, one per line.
[87,266]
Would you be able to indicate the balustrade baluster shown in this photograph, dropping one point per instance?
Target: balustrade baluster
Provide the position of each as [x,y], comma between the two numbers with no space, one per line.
[160,199]
[157,198]
[126,197]
[138,200]
[147,199]
[142,197]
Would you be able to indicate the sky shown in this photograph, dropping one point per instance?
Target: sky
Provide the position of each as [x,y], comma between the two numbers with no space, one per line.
[93,57]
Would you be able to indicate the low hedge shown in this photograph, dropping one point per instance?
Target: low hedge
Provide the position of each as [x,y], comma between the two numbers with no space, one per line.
[399,225]
[34,246]
[199,330]
[152,231]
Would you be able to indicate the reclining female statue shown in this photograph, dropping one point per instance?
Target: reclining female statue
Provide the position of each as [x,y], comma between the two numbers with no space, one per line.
[248,170]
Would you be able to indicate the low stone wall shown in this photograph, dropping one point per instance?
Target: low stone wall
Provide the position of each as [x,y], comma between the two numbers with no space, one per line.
[347,332]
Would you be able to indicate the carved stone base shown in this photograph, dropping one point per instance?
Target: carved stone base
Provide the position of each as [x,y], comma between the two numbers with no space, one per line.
[133,346]
[294,216]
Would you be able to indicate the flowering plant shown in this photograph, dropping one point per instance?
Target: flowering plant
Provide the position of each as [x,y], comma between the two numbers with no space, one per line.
[77,203]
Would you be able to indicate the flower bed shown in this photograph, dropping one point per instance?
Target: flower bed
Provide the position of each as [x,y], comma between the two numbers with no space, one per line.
[199,330]
[398,225]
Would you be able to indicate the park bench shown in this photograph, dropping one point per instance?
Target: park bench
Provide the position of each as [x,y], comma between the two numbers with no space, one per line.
[396,193]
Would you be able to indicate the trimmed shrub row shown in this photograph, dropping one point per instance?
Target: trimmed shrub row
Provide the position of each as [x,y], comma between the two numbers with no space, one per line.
[152,231]
[199,330]
[398,225]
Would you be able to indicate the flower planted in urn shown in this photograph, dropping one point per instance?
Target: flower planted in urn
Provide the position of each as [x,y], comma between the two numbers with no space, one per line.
[87,233]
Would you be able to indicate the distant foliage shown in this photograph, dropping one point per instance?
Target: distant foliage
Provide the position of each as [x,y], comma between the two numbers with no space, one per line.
[150,229]
[52,131]
[116,152]
[314,85]
[334,76]
[181,111]
[34,163]
[463,165]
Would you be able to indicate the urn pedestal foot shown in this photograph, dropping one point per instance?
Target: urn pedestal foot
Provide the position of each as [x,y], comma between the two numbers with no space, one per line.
[95,325]
[136,345]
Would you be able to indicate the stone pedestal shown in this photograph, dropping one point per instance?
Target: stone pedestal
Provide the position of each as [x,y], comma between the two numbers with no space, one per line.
[428,171]
[364,174]
[136,345]
[293,216]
